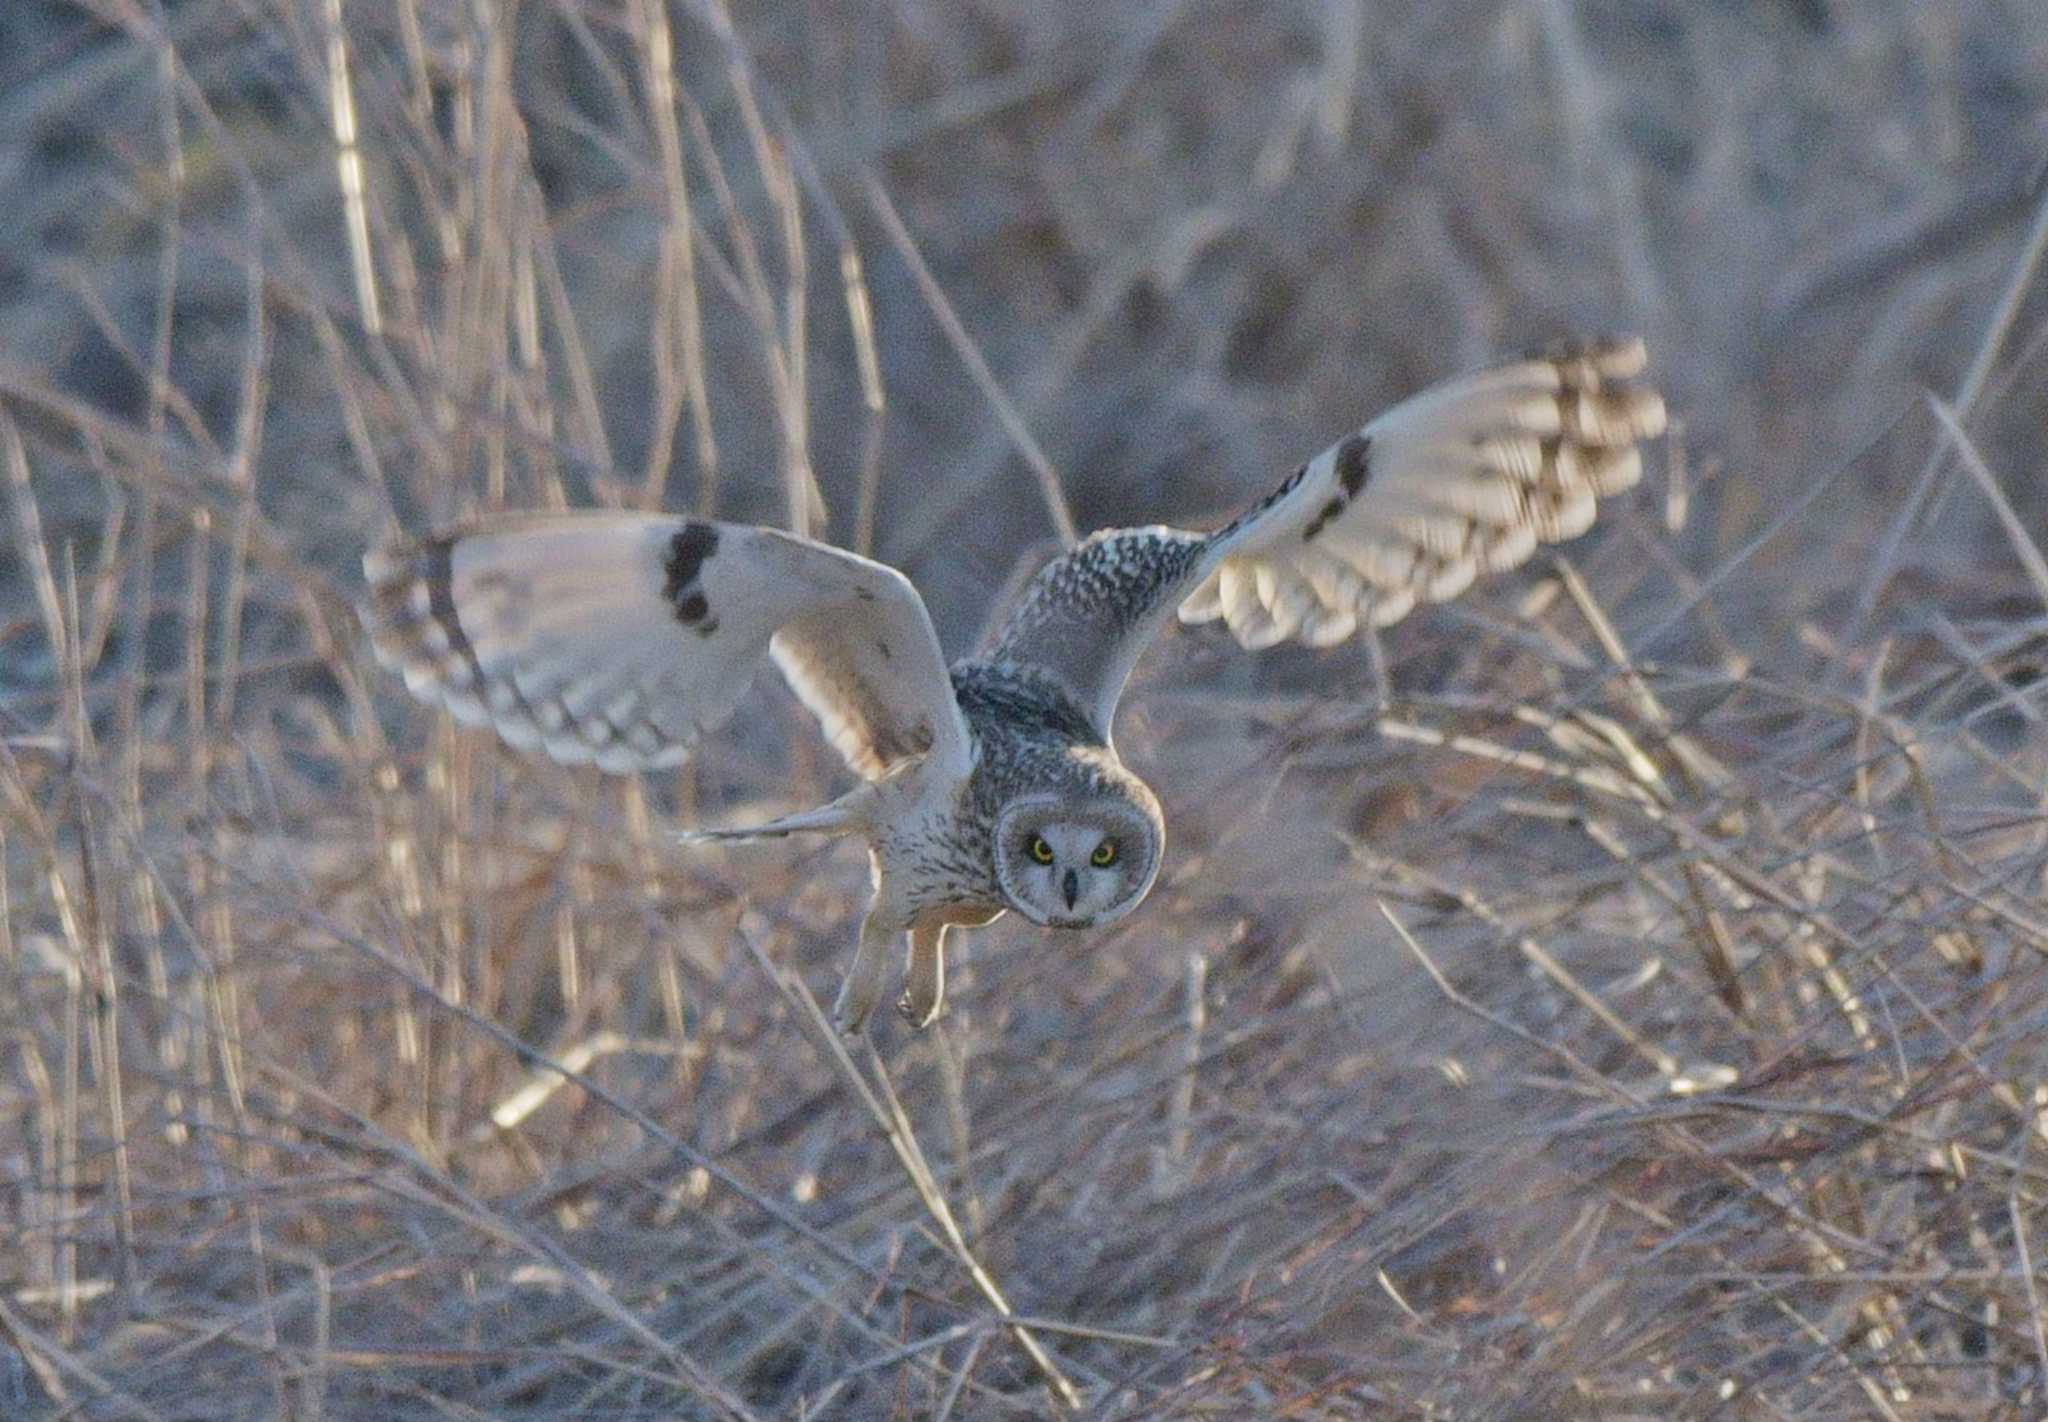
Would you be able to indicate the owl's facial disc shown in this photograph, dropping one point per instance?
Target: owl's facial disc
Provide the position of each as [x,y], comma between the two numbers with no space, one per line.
[1074,863]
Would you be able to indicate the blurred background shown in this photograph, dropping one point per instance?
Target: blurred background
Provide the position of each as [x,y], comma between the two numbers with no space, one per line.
[1723,834]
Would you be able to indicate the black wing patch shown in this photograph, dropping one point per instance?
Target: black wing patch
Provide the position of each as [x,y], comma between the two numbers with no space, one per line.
[693,544]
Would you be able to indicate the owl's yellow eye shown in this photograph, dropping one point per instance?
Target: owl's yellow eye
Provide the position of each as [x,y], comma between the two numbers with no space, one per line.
[1040,850]
[1104,855]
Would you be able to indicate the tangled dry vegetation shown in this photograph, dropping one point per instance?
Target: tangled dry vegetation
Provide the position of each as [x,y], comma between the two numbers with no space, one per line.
[1621,995]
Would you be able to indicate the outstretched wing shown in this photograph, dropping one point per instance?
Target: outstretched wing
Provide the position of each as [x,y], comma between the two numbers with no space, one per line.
[1466,478]
[621,638]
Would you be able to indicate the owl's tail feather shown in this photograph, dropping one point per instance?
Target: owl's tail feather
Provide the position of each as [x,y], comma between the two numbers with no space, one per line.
[843,816]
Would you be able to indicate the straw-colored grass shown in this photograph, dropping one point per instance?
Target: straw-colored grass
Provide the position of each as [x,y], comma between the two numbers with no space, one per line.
[1622,994]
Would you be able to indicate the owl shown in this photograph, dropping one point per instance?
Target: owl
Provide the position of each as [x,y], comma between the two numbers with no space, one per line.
[992,784]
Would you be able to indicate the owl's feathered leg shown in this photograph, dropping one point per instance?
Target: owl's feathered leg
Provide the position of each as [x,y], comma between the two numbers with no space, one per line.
[862,988]
[924,982]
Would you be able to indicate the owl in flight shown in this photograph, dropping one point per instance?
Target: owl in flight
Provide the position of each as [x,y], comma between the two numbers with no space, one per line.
[620,638]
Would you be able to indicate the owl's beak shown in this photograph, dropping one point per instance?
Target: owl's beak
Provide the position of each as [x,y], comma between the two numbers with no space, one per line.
[1071,886]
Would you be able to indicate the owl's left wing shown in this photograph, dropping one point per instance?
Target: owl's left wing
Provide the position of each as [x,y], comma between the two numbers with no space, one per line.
[1464,479]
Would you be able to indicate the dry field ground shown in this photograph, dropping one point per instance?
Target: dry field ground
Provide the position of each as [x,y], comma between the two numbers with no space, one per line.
[1623,994]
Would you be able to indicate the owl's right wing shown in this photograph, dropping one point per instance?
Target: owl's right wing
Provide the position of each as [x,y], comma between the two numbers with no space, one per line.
[1463,479]
[620,638]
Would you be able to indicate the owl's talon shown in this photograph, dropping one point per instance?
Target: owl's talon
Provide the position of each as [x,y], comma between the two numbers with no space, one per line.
[918,1015]
[850,1018]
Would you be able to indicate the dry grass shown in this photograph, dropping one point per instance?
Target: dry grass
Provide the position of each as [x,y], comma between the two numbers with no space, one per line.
[1622,995]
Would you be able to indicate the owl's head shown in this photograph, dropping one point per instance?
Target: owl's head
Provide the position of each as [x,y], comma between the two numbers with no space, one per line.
[1068,860]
